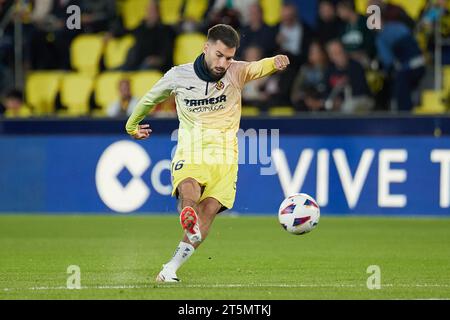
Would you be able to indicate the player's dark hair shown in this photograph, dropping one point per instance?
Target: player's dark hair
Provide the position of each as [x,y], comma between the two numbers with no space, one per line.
[224,33]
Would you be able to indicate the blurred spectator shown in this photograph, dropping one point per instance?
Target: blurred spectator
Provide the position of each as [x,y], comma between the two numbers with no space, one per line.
[97,16]
[6,45]
[51,39]
[15,106]
[293,36]
[273,90]
[277,88]
[310,86]
[347,84]
[436,13]
[357,39]
[154,43]
[257,33]
[330,26]
[433,11]
[232,12]
[126,102]
[165,109]
[401,57]
[393,13]
[252,92]
[307,11]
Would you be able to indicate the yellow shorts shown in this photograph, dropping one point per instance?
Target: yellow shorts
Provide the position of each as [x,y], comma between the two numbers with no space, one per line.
[218,181]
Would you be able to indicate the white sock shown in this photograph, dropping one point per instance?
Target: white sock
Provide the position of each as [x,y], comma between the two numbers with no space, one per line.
[180,256]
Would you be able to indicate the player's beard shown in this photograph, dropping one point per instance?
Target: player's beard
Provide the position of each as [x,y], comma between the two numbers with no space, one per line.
[216,73]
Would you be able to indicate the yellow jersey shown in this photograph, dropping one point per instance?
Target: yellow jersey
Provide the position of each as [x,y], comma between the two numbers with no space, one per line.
[209,112]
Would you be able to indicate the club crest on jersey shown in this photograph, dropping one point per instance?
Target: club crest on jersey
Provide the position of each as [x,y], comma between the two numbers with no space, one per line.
[220,85]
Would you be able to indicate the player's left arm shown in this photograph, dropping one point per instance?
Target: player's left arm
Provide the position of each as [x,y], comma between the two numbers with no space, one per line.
[258,69]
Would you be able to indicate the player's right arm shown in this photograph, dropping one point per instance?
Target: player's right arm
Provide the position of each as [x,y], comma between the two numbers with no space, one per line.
[248,71]
[160,92]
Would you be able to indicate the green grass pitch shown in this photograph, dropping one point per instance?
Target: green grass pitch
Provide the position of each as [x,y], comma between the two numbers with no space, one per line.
[243,258]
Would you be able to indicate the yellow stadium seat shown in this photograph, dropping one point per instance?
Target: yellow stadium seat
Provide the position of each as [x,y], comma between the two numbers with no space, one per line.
[250,111]
[76,90]
[41,89]
[23,112]
[431,103]
[117,50]
[195,9]
[107,89]
[412,7]
[375,80]
[143,81]
[85,53]
[170,11]
[281,111]
[361,6]
[271,11]
[133,12]
[446,79]
[187,47]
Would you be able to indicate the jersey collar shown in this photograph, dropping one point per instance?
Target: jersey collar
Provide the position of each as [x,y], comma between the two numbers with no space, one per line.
[202,71]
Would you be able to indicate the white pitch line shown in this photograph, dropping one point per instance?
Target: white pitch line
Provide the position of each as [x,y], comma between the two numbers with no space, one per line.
[224,286]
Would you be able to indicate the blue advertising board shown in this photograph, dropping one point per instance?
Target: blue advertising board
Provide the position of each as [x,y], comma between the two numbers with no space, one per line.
[351,174]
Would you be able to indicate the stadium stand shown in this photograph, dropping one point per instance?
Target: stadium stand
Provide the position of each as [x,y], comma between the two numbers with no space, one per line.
[271,11]
[141,81]
[96,58]
[116,51]
[250,111]
[413,8]
[85,52]
[447,79]
[76,102]
[281,111]
[170,11]
[41,90]
[133,12]
[432,103]
[105,90]
[188,47]
[195,9]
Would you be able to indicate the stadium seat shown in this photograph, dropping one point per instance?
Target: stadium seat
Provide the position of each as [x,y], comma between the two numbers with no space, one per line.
[281,111]
[422,40]
[85,53]
[76,90]
[142,82]
[413,8]
[133,12]
[375,80]
[446,79]
[117,50]
[195,9]
[107,89]
[271,11]
[187,47]
[432,103]
[361,6]
[250,111]
[41,89]
[170,11]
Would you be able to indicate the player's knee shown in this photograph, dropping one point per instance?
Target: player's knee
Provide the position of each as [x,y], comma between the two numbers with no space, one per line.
[189,188]
[210,208]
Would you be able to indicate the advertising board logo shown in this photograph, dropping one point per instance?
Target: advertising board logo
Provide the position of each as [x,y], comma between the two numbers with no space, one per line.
[118,176]
[120,179]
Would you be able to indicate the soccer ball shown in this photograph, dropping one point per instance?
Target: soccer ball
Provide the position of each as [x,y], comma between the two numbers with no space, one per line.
[299,213]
